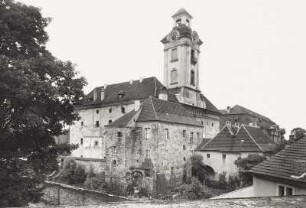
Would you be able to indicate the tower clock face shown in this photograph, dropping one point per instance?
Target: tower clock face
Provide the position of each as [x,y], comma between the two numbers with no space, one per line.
[174,35]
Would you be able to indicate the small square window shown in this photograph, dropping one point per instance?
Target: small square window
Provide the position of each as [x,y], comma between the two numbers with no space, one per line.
[110,121]
[208,155]
[81,142]
[97,111]
[147,133]
[281,191]
[184,147]
[82,123]
[110,110]
[119,134]
[223,156]
[289,191]
[96,143]
[184,133]
[147,172]
[97,123]
[122,109]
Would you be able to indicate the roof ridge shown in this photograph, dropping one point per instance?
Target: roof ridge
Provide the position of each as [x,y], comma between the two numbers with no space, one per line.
[154,110]
[259,147]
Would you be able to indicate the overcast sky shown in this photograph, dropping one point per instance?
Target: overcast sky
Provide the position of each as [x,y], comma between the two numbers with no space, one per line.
[254,52]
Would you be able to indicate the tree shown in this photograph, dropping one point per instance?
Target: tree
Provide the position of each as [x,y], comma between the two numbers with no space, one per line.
[296,134]
[245,164]
[197,169]
[37,97]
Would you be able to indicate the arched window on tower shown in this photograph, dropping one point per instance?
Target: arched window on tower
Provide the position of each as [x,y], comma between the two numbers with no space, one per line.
[192,78]
[173,76]
[178,22]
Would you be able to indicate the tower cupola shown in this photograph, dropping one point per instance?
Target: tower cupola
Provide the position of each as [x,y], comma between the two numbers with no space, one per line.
[181,17]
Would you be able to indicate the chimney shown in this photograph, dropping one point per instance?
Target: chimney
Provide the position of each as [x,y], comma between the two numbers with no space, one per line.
[136,105]
[163,96]
[102,93]
[95,94]
[228,109]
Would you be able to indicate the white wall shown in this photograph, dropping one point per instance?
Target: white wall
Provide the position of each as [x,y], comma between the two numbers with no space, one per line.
[264,187]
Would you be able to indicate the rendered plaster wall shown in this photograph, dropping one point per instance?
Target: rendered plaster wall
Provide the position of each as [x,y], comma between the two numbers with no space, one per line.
[220,164]
[264,187]
[93,137]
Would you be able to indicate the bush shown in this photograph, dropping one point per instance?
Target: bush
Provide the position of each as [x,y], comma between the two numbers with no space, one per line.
[193,191]
[72,174]
[96,182]
[222,180]
[233,183]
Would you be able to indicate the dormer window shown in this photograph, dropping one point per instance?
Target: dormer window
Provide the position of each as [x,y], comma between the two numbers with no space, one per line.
[120,94]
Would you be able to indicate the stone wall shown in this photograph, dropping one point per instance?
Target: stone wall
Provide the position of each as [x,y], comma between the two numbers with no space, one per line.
[62,194]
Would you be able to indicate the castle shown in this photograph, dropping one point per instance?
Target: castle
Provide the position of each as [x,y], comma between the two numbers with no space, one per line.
[147,130]
[146,126]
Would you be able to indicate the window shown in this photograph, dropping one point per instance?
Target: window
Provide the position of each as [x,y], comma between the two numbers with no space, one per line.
[173,76]
[223,156]
[172,170]
[166,132]
[97,123]
[212,124]
[119,134]
[178,22]
[122,109]
[187,20]
[96,143]
[110,110]
[193,58]
[281,191]
[289,191]
[97,111]
[82,123]
[114,149]
[198,135]
[147,153]
[147,172]
[110,121]
[285,190]
[114,162]
[208,155]
[81,142]
[184,147]
[191,137]
[184,133]
[174,54]
[147,133]
[192,78]
[184,158]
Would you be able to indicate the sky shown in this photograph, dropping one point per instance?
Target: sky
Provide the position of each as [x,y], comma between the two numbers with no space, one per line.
[254,52]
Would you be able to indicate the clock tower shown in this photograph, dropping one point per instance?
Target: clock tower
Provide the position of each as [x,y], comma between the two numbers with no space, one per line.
[181,60]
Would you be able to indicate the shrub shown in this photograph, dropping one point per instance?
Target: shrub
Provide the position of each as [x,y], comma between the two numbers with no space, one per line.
[233,183]
[222,180]
[193,191]
[72,174]
[96,182]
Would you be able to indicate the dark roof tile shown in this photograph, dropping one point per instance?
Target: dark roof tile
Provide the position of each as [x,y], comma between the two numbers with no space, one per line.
[289,163]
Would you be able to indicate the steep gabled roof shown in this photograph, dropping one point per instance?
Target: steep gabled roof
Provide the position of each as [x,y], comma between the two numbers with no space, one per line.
[136,90]
[202,144]
[245,140]
[237,109]
[154,109]
[289,163]
[124,120]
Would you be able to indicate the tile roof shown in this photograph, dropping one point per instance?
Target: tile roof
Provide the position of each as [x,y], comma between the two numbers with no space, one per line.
[237,109]
[154,109]
[247,139]
[124,120]
[137,90]
[289,162]
[202,144]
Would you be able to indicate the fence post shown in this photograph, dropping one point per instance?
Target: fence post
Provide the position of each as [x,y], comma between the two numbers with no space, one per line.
[58,194]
